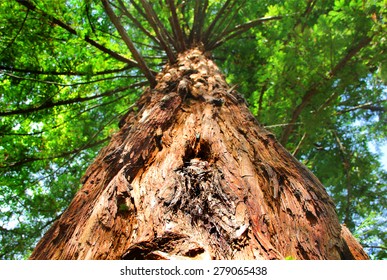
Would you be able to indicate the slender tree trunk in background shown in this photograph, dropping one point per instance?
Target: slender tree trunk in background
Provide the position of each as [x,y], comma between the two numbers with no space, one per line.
[191,174]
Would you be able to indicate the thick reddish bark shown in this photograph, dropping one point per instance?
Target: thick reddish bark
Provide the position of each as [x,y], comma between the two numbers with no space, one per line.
[191,174]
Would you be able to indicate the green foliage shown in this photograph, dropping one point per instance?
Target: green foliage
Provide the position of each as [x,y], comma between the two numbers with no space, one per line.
[369,231]
[315,76]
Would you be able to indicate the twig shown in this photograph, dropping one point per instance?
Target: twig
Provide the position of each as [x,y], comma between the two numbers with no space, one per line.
[137,23]
[242,28]
[124,35]
[161,33]
[174,20]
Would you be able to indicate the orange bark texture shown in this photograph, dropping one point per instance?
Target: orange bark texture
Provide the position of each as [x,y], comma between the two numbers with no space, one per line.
[192,175]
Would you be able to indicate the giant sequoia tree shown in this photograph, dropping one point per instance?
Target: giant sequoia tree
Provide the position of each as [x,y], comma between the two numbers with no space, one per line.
[193,171]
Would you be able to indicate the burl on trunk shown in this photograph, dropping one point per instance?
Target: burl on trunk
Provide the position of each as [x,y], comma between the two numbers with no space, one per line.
[192,175]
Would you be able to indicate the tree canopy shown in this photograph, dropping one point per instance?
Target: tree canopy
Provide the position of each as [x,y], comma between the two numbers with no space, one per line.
[313,72]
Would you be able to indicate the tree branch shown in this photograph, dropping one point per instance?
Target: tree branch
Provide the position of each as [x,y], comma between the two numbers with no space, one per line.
[220,16]
[240,29]
[367,106]
[282,125]
[220,35]
[49,104]
[62,155]
[17,33]
[197,26]
[314,90]
[297,149]
[161,33]
[124,35]
[75,116]
[68,85]
[309,7]
[351,53]
[347,166]
[65,73]
[29,5]
[260,99]
[176,28]
[374,247]
[296,113]
[137,23]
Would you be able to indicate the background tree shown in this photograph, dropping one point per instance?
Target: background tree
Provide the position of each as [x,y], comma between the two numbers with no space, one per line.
[312,72]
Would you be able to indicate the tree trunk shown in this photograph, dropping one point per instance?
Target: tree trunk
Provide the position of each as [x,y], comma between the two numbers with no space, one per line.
[192,175]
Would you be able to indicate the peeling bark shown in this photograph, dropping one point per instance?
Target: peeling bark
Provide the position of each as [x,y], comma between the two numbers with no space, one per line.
[192,175]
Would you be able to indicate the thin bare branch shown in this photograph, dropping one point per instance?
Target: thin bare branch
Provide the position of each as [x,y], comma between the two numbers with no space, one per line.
[152,19]
[67,85]
[185,12]
[49,104]
[77,115]
[367,106]
[162,34]
[260,99]
[374,247]
[125,37]
[62,155]
[283,125]
[87,11]
[64,73]
[225,24]
[327,102]
[242,28]
[246,26]
[138,24]
[197,26]
[178,32]
[345,157]
[297,149]
[220,16]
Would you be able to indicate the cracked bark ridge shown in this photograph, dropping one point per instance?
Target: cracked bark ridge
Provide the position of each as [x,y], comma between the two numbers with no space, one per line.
[192,175]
